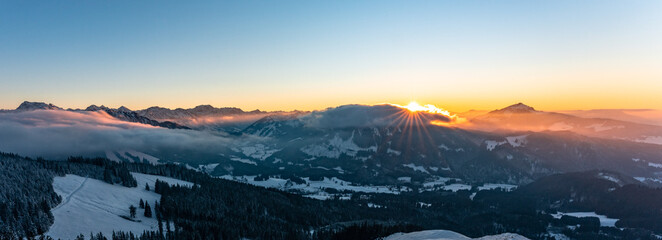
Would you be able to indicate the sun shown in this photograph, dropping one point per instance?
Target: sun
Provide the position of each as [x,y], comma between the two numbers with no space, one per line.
[414,108]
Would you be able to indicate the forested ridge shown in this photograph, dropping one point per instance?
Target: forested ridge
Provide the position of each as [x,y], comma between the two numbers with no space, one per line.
[220,209]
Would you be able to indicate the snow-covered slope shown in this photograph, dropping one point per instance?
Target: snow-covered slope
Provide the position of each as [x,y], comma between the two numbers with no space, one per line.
[90,205]
[131,156]
[449,235]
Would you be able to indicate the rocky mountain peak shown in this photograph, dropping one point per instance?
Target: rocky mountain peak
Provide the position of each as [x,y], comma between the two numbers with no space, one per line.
[30,106]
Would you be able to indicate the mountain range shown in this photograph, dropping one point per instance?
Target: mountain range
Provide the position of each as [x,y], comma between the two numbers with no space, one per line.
[389,145]
[511,163]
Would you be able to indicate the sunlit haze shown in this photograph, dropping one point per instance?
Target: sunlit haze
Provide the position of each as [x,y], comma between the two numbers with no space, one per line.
[310,55]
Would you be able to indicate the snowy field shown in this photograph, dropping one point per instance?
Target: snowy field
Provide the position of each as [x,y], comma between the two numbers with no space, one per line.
[604,220]
[90,205]
[449,235]
[315,189]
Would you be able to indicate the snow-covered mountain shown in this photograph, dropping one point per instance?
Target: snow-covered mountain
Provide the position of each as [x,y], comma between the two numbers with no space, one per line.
[388,145]
[126,114]
[518,108]
[371,156]
[198,111]
[371,145]
[30,106]
[121,113]
[520,117]
[207,117]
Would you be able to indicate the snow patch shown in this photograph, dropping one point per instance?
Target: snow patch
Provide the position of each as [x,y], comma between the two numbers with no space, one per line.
[372,205]
[517,141]
[599,127]
[444,147]
[391,151]
[143,157]
[243,160]
[207,168]
[122,156]
[514,141]
[258,151]
[416,168]
[336,147]
[456,187]
[422,204]
[655,165]
[645,179]
[651,140]
[604,220]
[112,157]
[492,186]
[610,178]
[437,182]
[339,169]
[449,235]
[404,179]
[491,144]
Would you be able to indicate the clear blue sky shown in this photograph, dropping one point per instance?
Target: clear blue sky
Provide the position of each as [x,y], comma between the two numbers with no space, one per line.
[314,54]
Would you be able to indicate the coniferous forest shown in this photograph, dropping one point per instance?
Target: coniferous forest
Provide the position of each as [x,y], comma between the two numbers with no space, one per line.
[220,209]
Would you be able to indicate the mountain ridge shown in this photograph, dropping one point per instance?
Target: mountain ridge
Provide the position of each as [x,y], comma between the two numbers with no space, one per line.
[121,113]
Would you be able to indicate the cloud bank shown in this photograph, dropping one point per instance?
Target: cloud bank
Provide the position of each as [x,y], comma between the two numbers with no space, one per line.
[59,134]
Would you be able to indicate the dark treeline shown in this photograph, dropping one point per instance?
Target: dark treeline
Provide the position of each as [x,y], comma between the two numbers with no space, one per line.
[97,168]
[26,197]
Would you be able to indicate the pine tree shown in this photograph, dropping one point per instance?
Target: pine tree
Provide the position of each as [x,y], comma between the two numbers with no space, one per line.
[159,221]
[146,186]
[107,176]
[132,211]
[142,204]
[148,210]
[167,223]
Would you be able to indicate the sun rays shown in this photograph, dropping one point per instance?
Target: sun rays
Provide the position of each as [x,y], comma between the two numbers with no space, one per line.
[413,110]
[414,120]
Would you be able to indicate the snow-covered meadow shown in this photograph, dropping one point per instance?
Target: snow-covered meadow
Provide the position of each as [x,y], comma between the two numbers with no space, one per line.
[90,205]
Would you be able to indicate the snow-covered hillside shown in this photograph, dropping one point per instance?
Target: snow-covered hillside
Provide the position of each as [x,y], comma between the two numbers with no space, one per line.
[131,156]
[449,235]
[90,205]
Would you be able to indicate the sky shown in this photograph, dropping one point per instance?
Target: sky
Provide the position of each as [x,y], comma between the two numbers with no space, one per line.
[308,55]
